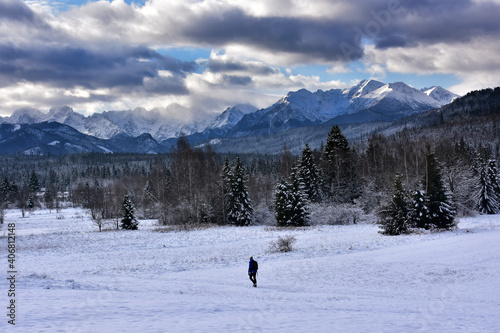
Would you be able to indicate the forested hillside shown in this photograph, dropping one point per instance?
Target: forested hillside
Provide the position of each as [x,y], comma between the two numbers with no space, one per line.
[341,180]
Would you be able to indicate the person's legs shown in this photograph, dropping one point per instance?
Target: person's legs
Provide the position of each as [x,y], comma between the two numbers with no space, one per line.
[253,278]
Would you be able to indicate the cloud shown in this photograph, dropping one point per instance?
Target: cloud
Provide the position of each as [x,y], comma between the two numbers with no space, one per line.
[321,31]
[17,11]
[475,62]
[108,54]
[307,37]
[213,24]
[430,22]
[217,64]
[72,66]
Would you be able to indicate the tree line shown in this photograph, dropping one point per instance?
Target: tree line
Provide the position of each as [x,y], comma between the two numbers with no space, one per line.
[402,178]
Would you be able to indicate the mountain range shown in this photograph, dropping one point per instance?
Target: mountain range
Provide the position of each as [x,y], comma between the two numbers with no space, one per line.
[369,101]
[139,130]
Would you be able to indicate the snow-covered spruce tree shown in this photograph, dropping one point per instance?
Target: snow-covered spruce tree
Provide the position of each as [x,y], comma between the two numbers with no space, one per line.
[5,190]
[282,206]
[394,217]
[227,175]
[129,222]
[33,183]
[291,202]
[494,177]
[487,199]
[300,212]
[419,210]
[441,207]
[240,208]
[339,167]
[311,177]
[8,191]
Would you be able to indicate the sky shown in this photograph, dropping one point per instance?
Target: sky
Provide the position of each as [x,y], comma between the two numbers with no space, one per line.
[198,57]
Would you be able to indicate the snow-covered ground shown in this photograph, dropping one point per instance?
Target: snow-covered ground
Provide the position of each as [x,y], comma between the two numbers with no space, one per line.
[71,278]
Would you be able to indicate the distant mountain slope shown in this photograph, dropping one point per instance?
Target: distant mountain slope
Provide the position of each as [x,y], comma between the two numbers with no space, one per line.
[368,101]
[157,122]
[474,104]
[441,95]
[56,138]
[474,117]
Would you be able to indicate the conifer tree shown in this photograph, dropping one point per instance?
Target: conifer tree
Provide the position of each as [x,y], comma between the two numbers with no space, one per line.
[129,222]
[282,211]
[227,175]
[291,202]
[310,175]
[395,217]
[339,167]
[33,183]
[419,213]
[300,213]
[441,208]
[240,208]
[487,199]
[494,177]
[5,190]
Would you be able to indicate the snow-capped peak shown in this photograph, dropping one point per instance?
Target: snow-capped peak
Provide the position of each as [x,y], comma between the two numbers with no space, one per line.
[245,108]
[25,116]
[364,87]
[440,94]
[60,114]
[228,118]
[402,92]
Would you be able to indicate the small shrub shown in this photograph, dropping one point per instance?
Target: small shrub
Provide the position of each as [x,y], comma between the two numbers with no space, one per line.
[283,244]
[340,214]
[262,215]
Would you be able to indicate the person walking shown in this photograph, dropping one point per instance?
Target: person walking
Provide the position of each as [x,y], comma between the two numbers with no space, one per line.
[253,266]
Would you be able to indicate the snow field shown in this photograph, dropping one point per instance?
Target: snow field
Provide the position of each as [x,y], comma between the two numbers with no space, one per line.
[339,278]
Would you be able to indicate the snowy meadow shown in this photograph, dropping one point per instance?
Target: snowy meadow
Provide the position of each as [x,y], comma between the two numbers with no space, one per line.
[350,278]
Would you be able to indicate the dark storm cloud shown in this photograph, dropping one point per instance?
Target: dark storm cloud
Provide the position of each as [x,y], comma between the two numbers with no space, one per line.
[237,80]
[170,85]
[387,23]
[222,66]
[14,10]
[175,65]
[313,38]
[108,55]
[69,66]
[432,21]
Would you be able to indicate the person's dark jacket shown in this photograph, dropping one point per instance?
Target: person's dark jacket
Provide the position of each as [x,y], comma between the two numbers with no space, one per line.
[252,266]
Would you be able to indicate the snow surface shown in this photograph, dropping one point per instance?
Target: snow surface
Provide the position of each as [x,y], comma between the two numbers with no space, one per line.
[72,278]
